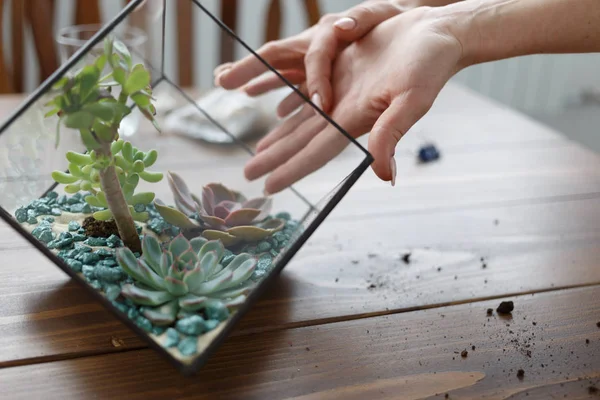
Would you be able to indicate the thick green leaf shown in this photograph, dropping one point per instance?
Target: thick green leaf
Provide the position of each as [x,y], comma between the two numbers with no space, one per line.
[242,267]
[127,151]
[101,62]
[142,198]
[163,315]
[213,285]
[75,170]
[197,243]
[138,79]
[88,139]
[108,49]
[138,165]
[152,253]
[88,80]
[175,217]
[79,120]
[52,112]
[145,297]
[60,83]
[103,215]
[190,302]
[175,286]
[63,177]
[78,158]
[103,131]
[116,146]
[151,177]
[138,269]
[93,201]
[209,263]
[150,158]
[120,48]
[120,76]
[103,111]
[179,245]
[166,262]
[194,278]
[141,99]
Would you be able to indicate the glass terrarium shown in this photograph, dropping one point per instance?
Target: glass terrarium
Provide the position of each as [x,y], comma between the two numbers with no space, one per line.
[136,187]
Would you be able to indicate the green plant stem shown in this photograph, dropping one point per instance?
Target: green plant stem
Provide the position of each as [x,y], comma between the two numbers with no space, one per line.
[118,205]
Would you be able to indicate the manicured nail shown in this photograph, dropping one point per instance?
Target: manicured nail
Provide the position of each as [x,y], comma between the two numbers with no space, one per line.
[316,99]
[345,24]
[393,169]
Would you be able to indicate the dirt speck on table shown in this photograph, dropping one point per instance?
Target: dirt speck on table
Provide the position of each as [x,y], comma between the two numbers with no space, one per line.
[464,353]
[520,374]
[505,307]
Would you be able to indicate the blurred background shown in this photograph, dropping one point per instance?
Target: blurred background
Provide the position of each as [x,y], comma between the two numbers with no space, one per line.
[562,91]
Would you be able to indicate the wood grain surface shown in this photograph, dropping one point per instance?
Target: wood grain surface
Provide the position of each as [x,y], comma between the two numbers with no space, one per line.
[509,212]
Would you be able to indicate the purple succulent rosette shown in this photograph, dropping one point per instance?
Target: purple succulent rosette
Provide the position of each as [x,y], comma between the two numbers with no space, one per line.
[222,214]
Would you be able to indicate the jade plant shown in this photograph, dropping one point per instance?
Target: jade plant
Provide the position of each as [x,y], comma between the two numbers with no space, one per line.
[222,214]
[186,277]
[85,102]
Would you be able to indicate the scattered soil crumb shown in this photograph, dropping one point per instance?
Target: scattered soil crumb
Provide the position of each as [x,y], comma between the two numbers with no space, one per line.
[116,342]
[484,265]
[490,311]
[354,262]
[97,228]
[439,269]
[534,323]
[447,396]
[337,279]
[406,258]
[505,307]
[472,347]
[308,349]
[371,255]
[587,341]
[598,324]
[593,390]
[371,286]
[496,222]
[464,353]
[520,374]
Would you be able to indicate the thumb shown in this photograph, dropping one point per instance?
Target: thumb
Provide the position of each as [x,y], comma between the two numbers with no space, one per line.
[359,20]
[404,111]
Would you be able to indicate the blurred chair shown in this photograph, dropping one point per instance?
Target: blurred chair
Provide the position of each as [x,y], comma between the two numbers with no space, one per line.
[37,16]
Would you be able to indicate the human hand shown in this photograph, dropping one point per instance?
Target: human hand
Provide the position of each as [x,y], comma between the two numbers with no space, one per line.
[306,59]
[384,83]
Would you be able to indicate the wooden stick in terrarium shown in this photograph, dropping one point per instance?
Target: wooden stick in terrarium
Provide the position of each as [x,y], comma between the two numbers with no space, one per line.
[111,169]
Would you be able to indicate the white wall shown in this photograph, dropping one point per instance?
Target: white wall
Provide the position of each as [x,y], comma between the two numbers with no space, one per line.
[533,84]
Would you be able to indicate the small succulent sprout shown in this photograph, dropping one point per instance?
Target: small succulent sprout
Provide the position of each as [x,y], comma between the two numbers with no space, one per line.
[185,277]
[223,214]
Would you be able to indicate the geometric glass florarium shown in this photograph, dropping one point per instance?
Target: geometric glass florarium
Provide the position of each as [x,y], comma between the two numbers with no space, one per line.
[163,229]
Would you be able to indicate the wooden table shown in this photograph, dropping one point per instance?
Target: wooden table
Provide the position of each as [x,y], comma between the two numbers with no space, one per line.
[510,212]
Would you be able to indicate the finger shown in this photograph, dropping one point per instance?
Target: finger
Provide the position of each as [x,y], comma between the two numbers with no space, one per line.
[270,81]
[361,19]
[292,102]
[404,111]
[326,145]
[279,54]
[318,63]
[285,128]
[281,151]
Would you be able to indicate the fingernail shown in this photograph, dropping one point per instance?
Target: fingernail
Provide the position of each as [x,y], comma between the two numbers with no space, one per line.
[345,23]
[221,68]
[220,75]
[316,99]
[393,169]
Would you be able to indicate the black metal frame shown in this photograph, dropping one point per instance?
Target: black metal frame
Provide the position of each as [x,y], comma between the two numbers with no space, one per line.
[262,286]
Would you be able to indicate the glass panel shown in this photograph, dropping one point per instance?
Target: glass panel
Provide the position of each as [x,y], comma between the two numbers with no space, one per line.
[167,221]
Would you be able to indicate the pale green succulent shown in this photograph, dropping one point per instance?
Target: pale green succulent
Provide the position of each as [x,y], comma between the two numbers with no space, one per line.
[223,213]
[130,165]
[186,277]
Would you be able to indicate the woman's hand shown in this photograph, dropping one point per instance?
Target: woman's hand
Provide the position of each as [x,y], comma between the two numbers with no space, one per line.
[383,83]
[306,59]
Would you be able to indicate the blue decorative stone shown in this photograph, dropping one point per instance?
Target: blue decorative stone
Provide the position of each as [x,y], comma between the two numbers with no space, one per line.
[62,200]
[52,195]
[283,215]
[104,252]
[46,236]
[49,219]
[217,310]
[112,291]
[65,235]
[428,153]
[109,262]
[194,325]
[139,207]
[133,313]
[83,248]
[90,258]
[32,220]
[274,253]
[96,284]
[113,241]
[89,271]
[263,247]
[172,338]
[143,323]
[188,346]
[83,208]
[73,226]
[120,306]
[78,237]
[95,241]
[108,274]
[211,324]
[21,215]
[227,259]
[158,330]
[74,264]
[279,236]
[43,209]
[52,245]
[56,212]
[76,198]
